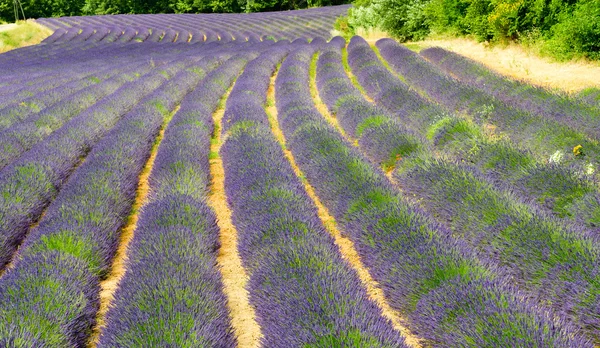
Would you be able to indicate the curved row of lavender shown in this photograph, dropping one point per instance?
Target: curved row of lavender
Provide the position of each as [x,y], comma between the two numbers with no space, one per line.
[563,275]
[78,119]
[50,295]
[194,27]
[83,222]
[518,158]
[31,181]
[304,292]
[563,189]
[172,257]
[511,233]
[533,99]
[433,279]
[539,133]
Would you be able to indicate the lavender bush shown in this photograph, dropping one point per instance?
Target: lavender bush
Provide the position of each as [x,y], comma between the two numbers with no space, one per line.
[537,100]
[408,254]
[293,264]
[565,190]
[176,241]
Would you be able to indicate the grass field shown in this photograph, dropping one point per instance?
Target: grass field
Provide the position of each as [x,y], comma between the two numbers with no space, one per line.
[22,34]
[245,180]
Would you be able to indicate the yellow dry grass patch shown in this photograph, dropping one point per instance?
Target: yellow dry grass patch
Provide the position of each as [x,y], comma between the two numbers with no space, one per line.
[519,63]
[372,35]
[22,34]
[345,245]
[109,286]
[234,275]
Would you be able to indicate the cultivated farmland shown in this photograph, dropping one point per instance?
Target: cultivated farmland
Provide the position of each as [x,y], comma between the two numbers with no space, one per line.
[246,180]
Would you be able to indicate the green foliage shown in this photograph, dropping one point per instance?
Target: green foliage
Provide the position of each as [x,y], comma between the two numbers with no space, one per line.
[351,338]
[42,8]
[57,8]
[564,29]
[343,27]
[69,242]
[23,34]
[577,33]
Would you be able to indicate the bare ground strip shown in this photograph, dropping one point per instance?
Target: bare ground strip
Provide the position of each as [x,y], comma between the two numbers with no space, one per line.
[235,279]
[109,286]
[345,245]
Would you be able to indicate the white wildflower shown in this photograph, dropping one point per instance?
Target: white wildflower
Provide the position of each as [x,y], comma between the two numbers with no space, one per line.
[556,157]
[589,169]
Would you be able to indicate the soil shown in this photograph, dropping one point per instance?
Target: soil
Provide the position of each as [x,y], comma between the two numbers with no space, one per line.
[345,245]
[109,286]
[242,314]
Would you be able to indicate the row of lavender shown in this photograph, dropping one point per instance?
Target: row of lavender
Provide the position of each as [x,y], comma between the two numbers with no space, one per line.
[89,34]
[537,100]
[303,291]
[558,264]
[520,153]
[543,134]
[35,109]
[50,294]
[195,27]
[37,76]
[52,291]
[25,127]
[515,239]
[496,235]
[36,69]
[25,121]
[570,193]
[32,180]
[172,292]
[448,296]
[42,62]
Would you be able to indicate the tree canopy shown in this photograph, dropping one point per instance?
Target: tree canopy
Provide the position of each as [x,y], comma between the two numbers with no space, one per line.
[58,8]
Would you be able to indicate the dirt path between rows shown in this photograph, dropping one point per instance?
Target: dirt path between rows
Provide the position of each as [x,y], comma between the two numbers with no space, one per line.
[345,245]
[234,275]
[109,286]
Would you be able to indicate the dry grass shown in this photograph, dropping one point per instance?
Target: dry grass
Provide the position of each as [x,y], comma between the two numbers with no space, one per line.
[109,286]
[511,60]
[22,34]
[234,275]
[372,35]
[517,62]
[6,27]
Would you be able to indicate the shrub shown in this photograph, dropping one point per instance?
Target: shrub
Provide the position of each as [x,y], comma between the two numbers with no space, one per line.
[566,29]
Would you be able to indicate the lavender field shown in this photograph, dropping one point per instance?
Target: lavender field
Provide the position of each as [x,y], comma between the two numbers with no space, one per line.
[246,180]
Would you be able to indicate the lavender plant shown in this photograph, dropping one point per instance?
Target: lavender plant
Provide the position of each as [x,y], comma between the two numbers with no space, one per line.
[409,255]
[30,183]
[293,264]
[84,220]
[539,134]
[537,100]
[566,192]
[176,240]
